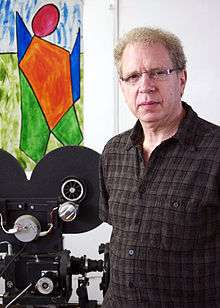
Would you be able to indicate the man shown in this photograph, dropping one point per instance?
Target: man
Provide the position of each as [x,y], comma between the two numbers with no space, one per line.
[160,185]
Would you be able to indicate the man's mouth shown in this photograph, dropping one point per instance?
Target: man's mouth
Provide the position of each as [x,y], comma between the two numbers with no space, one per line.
[148,103]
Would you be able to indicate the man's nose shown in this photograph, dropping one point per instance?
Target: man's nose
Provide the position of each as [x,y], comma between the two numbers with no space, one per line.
[147,84]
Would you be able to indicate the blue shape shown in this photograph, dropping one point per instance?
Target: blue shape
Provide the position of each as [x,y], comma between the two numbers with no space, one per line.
[1,4]
[11,29]
[29,8]
[28,13]
[58,33]
[8,13]
[65,13]
[77,12]
[75,68]
[7,7]
[23,37]
[63,34]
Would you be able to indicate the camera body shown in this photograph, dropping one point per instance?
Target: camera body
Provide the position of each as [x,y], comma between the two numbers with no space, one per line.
[61,197]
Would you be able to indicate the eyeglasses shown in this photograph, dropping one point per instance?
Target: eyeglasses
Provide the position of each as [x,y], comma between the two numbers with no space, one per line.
[156,74]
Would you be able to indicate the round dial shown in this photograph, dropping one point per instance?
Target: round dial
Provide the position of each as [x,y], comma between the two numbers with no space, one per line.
[73,189]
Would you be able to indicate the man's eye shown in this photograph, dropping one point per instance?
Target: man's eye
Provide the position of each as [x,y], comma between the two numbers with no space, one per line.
[161,72]
[132,78]
[158,73]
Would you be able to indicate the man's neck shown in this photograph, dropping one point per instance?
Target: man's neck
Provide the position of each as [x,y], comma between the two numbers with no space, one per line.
[156,133]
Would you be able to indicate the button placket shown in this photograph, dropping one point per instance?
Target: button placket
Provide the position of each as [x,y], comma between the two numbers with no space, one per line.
[137,221]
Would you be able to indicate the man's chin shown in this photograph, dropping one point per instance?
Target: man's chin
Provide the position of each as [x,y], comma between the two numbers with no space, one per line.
[149,117]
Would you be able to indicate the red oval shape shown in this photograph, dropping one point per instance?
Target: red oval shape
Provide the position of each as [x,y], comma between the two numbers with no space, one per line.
[45,20]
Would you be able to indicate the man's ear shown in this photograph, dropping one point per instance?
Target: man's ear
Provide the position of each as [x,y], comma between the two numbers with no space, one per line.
[121,84]
[182,79]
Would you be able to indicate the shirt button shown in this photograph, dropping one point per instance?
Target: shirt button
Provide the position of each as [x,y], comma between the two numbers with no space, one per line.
[130,252]
[175,204]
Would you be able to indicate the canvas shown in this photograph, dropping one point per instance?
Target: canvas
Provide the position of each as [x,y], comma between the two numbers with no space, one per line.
[40,77]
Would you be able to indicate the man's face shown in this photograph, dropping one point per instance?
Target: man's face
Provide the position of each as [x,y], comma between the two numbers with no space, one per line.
[151,100]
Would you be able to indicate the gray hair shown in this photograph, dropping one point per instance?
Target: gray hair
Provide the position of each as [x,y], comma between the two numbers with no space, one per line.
[151,36]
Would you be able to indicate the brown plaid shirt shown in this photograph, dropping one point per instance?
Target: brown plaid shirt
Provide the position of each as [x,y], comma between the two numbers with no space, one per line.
[165,244]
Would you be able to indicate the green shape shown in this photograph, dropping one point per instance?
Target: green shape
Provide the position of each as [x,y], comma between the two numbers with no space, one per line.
[10,111]
[53,143]
[9,103]
[3,73]
[67,130]
[34,129]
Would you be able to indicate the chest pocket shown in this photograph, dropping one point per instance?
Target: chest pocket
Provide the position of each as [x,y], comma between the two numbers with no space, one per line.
[171,224]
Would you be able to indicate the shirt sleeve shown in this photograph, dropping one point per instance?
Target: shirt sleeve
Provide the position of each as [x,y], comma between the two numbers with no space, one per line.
[103,196]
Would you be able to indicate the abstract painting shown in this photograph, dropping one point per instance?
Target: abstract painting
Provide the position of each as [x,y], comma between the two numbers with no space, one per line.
[40,77]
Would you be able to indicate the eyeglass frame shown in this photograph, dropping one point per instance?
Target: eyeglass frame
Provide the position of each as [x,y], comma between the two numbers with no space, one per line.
[138,75]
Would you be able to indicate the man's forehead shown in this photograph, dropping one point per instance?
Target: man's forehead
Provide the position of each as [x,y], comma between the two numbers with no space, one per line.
[145,54]
[147,47]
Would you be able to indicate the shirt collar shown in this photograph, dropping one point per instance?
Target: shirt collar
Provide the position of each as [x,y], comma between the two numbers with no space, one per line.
[185,134]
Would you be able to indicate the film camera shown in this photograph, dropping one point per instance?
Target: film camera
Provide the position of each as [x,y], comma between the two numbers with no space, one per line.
[61,197]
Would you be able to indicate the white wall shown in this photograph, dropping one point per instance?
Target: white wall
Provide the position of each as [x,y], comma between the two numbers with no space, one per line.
[99,107]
